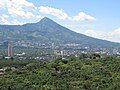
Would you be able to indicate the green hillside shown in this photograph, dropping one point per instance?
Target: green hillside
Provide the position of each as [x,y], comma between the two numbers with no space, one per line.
[49,31]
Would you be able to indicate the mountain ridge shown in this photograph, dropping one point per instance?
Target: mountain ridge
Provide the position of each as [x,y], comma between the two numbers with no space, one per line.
[47,30]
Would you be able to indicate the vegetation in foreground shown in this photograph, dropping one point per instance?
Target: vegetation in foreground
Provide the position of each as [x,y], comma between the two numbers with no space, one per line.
[73,74]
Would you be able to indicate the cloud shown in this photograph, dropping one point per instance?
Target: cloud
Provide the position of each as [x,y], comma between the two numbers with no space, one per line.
[19,8]
[1,4]
[39,17]
[16,22]
[4,19]
[23,3]
[115,35]
[83,17]
[117,31]
[96,34]
[111,36]
[20,13]
[59,13]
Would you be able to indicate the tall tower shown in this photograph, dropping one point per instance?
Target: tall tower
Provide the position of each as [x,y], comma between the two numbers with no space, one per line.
[10,49]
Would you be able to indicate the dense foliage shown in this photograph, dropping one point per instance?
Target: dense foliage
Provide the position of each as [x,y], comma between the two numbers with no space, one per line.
[72,74]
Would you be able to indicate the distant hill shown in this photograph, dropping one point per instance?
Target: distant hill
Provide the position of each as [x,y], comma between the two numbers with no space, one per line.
[46,30]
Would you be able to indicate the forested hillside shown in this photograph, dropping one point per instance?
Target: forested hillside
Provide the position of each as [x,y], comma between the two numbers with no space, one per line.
[48,31]
[73,74]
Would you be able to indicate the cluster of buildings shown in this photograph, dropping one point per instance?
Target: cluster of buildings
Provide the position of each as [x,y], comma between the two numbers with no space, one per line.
[50,51]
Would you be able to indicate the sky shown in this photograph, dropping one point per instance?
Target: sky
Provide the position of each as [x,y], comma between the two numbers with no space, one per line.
[95,18]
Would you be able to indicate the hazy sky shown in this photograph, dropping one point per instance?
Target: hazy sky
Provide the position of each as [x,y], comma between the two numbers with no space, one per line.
[96,18]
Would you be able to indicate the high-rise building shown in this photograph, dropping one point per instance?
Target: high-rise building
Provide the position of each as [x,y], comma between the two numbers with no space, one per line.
[10,49]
